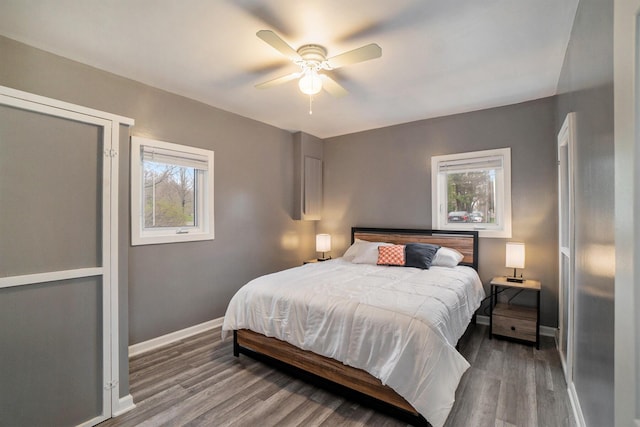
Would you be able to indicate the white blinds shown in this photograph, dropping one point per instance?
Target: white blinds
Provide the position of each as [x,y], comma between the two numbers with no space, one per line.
[471,164]
[173,157]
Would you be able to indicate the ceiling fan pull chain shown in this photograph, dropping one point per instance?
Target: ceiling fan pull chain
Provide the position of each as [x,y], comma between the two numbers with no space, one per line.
[310,104]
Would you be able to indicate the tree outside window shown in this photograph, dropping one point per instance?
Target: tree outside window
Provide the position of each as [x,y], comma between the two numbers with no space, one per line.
[472,191]
[168,195]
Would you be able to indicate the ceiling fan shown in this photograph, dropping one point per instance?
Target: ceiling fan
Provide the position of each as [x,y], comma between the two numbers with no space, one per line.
[312,59]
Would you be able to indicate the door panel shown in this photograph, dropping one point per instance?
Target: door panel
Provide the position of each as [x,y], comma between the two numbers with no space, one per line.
[55,282]
[50,193]
[51,353]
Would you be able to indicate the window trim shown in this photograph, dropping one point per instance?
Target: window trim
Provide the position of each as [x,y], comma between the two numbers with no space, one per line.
[203,197]
[503,194]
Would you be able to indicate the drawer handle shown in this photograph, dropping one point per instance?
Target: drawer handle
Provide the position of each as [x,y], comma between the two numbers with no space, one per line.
[513,328]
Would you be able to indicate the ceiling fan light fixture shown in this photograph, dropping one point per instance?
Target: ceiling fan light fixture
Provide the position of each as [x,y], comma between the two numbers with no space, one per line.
[312,58]
[310,83]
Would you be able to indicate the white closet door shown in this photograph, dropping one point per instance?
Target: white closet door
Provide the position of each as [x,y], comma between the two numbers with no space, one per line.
[55,265]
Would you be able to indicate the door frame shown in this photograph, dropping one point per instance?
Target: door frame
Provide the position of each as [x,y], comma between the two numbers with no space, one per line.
[566,138]
[110,125]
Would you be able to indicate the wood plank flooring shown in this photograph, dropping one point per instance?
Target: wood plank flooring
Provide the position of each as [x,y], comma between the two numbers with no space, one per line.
[198,382]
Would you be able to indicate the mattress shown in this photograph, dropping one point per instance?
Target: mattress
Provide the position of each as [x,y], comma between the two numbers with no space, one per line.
[399,324]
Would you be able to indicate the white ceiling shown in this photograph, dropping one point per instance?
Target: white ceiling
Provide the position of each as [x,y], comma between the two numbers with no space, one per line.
[438,57]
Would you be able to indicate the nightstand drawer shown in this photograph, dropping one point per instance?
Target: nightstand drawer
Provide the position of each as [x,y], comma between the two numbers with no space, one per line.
[515,320]
[522,329]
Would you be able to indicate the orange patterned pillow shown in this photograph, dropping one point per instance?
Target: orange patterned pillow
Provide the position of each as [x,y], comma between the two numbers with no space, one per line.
[391,255]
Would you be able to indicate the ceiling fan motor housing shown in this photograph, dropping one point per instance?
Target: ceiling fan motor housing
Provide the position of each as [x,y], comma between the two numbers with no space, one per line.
[313,56]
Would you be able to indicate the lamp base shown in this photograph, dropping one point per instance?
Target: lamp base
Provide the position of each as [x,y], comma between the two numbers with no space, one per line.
[515,279]
[324,259]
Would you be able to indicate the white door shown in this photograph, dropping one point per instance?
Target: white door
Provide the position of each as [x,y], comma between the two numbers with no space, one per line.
[57,272]
[627,211]
[566,146]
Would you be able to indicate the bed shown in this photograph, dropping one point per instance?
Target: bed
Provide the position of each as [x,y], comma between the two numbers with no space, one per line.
[385,333]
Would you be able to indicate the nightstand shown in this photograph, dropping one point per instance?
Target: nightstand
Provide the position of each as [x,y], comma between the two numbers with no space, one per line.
[310,261]
[512,320]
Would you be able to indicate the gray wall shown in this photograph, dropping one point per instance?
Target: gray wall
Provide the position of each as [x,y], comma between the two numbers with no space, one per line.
[586,87]
[382,178]
[174,286]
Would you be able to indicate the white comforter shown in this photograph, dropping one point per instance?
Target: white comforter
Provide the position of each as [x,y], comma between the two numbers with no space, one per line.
[399,324]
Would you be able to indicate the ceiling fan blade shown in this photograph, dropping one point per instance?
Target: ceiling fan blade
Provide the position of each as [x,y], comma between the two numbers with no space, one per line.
[332,87]
[278,81]
[277,43]
[364,53]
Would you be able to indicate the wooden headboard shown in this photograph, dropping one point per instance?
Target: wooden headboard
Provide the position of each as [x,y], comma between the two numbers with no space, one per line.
[466,242]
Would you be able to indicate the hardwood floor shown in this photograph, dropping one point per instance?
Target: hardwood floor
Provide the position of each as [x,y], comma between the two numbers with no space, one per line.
[198,382]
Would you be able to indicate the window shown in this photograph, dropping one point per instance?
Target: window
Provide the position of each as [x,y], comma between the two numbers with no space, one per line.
[473,191]
[171,192]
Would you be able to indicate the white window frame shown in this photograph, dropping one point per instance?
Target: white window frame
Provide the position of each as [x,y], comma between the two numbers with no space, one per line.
[204,230]
[502,228]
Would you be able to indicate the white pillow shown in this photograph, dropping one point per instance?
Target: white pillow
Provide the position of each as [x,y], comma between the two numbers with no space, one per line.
[353,250]
[368,253]
[447,257]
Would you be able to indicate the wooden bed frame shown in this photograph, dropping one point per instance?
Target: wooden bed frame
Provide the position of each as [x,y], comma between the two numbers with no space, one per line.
[331,373]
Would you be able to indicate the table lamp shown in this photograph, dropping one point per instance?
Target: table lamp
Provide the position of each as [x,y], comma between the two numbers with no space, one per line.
[515,259]
[323,244]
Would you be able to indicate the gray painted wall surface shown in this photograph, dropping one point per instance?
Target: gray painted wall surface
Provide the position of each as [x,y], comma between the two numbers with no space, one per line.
[382,178]
[586,87]
[174,286]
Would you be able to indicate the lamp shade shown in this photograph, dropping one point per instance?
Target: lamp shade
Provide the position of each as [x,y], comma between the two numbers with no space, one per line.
[323,242]
[515,255]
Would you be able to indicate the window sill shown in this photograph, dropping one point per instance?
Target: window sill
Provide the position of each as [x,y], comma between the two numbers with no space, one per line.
[170,238]
[482,232]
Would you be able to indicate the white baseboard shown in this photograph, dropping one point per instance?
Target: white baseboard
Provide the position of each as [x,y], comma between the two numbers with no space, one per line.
[545,331]
[125,404]
[548,331]
[575,405]
[163,340]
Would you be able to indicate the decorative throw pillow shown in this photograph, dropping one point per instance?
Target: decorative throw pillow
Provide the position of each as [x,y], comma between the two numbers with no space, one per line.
[420,255]
[391,255]
[447,257]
